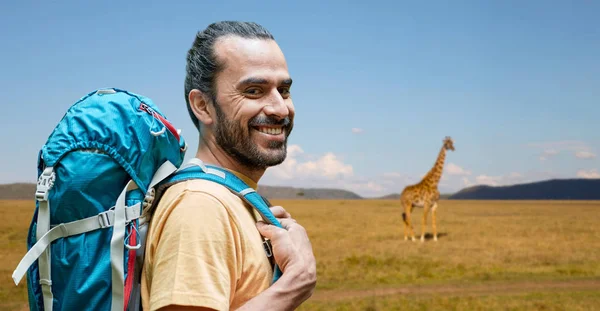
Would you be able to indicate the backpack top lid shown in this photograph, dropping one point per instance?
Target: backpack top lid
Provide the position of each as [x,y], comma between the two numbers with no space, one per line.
[128,127]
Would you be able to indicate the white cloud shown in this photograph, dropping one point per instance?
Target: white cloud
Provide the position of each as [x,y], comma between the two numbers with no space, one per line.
[370,187]
[488,180]
[500,180]
[329,170]
[392,175]
[327,166]
[466,182]
[283,171]
[294,150]
[547,154]
[585,155]
[581,149]
[515,175]
[454,169]
[591,174]
[357,130]
[553,147]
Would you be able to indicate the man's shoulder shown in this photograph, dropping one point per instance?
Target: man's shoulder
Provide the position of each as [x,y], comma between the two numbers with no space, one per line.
[189,202]
[198,189]
[189,197]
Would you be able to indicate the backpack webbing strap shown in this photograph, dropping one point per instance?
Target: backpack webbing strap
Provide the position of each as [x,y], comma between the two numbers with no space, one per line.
[117,240]
[116,249]
[100,221]
[45,182]
[230,181]
[116,217]
[195,168]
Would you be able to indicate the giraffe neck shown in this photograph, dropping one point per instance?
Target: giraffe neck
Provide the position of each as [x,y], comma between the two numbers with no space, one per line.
[435,174]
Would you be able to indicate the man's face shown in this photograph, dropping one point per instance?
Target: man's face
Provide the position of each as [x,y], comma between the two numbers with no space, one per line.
[254,110]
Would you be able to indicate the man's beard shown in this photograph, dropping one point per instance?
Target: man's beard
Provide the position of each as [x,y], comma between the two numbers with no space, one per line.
[238,143]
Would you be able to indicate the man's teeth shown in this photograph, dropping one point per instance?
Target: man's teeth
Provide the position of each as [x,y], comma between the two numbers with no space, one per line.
[270,130]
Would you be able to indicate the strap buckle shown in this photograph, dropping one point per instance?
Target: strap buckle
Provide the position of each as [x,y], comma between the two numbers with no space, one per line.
[267,246]
[269,251]
[149,198]
[104,220]
[44,184]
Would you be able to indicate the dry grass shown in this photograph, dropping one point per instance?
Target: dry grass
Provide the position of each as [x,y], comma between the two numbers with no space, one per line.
[359,246]
[561,301]
[15,216]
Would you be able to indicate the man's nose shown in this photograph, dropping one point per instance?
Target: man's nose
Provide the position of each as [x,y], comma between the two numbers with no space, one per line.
[277,106]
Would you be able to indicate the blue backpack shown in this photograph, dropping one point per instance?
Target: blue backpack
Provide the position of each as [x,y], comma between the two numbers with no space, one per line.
[100,172]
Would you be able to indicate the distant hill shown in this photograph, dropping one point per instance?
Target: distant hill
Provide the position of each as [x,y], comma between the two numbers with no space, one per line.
[393,196]
[17,191]
[25,191]
[554,189]
[276,192]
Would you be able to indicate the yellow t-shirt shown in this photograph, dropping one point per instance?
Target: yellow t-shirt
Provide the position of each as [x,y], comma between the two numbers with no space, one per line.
[203,249]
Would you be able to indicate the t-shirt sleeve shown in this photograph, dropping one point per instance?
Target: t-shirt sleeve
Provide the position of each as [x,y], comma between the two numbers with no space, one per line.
[197,256]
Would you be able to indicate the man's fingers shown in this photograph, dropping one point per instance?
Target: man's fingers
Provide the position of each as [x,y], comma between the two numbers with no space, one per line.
[287,223]
[296,231]
[279,212]
[268,231]
[265,229]
[273,232]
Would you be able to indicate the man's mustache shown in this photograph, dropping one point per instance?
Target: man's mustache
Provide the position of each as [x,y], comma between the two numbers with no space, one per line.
[265,120]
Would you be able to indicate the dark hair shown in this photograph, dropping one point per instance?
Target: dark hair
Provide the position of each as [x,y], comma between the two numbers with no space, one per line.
[202,65]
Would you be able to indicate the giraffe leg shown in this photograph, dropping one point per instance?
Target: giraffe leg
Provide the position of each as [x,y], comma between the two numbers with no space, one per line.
[405,223]
[424,222]
[433,226]
[410,227]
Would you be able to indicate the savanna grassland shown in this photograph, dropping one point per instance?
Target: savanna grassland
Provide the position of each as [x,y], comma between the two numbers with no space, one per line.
[491,255]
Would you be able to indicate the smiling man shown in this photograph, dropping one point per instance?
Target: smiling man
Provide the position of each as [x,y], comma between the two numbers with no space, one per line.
[204,248]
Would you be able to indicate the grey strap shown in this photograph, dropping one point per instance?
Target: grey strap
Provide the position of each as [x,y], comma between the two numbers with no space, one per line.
[193,162]
[116,250]
[43,225]
[45,183]
[117,217]
[100,221]
[162,172]
[246,191]
[116,242]
[197,162]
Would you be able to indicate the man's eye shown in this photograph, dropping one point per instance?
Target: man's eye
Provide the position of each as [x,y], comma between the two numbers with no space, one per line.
[253,91]
[284,91]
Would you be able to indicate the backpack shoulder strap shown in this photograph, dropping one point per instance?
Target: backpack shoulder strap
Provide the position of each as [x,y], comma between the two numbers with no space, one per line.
[196,169]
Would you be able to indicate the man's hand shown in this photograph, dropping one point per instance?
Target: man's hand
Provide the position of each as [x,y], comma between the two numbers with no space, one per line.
[291,246]
[292,251]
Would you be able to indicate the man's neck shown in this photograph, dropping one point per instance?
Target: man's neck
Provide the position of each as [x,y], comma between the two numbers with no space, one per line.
[211,154]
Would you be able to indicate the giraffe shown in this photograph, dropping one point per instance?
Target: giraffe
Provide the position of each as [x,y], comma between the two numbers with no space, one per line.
[425,194]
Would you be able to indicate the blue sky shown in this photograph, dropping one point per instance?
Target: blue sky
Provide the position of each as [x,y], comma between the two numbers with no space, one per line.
[377,84]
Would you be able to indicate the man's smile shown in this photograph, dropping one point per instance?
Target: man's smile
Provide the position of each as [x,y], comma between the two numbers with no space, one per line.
[269,130]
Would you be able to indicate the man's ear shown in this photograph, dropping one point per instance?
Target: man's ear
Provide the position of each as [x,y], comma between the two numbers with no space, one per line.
[200,106]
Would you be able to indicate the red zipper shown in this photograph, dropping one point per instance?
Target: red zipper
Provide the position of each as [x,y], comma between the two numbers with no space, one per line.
[130,270]
[164,121]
